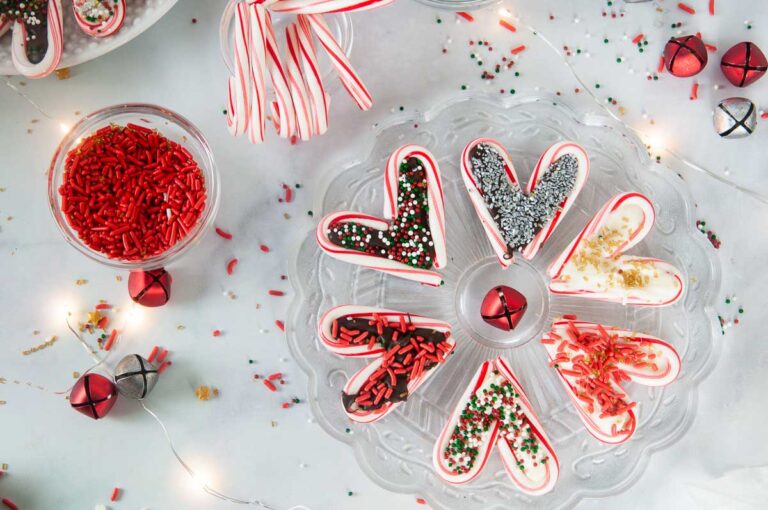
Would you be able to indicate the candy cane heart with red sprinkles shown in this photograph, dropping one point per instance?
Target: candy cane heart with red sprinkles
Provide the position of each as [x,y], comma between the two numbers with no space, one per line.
[593,361]
[407,349]
[494,410]
[410,240]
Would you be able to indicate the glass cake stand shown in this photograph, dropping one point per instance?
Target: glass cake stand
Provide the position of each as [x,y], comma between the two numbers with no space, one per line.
[396,452]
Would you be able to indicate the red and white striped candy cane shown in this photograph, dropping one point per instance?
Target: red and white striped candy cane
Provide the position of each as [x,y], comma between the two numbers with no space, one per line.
[283,112]
[241,89]
[325,6]
[52,57]
[347,74]
[258,57]
[299,94]
[317,97]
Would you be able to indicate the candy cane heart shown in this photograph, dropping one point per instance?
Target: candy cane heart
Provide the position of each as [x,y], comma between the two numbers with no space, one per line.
[410,240]
[37,54]
[494,410]
[592,361]
[407,349]
[99,19]
[515,218]
[595,265]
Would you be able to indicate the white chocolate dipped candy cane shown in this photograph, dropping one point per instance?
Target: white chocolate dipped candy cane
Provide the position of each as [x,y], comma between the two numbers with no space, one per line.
[436,221]
[595,266]
[325,6]
[595,387]
[111,15]
[347,74]
[53,53]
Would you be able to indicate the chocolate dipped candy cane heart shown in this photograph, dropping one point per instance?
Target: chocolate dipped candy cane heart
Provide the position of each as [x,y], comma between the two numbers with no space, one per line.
[517,219]
[408,349]
[410,240]
[594,264]
[593,361]
[38,38]
[494,410]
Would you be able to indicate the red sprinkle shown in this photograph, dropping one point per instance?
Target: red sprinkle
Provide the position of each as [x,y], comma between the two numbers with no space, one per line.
[288,193]
[661,65]
[264,248]
[110,340]
[467,16]
[686,8]
[103,306]
[276,293]
[115,494]
[223,233]
[269,385]
[711,7]
[695,91]
[710,47]
[519,49]
[231,265]
[764,115]
[280,325]
[638,38]
[569,316]
[9,504]
[216,332]
[153,353]
[130,193]
[286,405]
[421,501]
[506,24]
[165,365]
[276,375]
[162,356]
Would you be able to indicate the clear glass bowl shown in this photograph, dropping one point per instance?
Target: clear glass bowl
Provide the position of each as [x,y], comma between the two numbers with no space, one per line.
[171,125]
[340,25]
[396,451]
[459,5]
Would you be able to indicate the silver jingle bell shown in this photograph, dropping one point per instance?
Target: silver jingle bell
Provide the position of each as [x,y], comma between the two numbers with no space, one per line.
[735,117]
[135,376]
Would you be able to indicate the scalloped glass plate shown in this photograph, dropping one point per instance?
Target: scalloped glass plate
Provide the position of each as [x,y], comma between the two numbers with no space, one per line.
[396,451]
[80,47]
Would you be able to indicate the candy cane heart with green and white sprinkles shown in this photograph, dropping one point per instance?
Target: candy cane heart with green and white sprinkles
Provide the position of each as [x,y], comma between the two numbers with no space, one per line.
[593,361]
[495,410]
[410,241]
[407,349]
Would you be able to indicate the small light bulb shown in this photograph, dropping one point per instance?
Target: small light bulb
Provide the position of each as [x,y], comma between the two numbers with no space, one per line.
[504,12]
[64,127]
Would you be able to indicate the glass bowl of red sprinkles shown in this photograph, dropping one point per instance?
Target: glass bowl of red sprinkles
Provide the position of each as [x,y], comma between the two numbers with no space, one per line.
[133,186]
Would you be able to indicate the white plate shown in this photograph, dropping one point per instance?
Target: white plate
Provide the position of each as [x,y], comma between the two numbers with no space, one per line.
[80,47]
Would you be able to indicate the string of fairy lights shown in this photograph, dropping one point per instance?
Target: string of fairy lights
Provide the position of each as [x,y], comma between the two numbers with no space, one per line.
[198,479]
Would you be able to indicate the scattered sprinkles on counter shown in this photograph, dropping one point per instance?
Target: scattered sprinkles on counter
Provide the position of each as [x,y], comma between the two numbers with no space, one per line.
[702,226]
[733,319]
[223,233]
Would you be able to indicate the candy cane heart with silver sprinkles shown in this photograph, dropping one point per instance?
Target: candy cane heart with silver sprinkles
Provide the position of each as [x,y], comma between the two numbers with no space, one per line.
[495,411]
[513,218]
[99,18]
[593,361]
[596,266]
[410,240]
[408,349]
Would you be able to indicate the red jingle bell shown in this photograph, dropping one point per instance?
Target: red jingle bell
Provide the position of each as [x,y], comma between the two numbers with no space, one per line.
[93,395]
[503,307]
[743,64]
[150,288]
[685,56]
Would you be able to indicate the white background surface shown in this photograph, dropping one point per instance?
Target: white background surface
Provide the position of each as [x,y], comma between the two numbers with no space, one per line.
[59,459]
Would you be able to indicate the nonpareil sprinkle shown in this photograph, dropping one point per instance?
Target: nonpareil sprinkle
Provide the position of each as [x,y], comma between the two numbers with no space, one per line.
[131,193]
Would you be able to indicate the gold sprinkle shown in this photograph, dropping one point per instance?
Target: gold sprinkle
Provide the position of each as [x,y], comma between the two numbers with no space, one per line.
[119,278]
[63,73]
[274,424]
[286,216]
[633,278]
[206,393]
[2,402]
[81,281]
[52,340]
[75,375]
[181,327]
[258,306]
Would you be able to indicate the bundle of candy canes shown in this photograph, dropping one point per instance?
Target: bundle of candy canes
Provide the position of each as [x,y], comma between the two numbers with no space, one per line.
[299,109]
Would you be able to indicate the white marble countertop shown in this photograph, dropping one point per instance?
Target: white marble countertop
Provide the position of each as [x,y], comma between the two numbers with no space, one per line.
[58,459]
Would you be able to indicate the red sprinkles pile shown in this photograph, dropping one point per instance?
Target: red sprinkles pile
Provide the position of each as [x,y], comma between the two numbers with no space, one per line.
[131,193]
